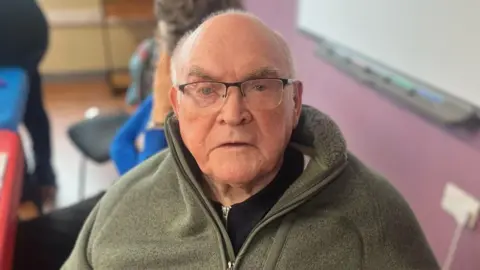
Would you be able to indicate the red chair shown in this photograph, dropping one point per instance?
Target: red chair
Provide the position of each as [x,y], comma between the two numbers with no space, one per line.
[11,178]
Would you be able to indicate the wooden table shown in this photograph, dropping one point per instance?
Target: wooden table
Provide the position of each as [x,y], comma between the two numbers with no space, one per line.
[11,177]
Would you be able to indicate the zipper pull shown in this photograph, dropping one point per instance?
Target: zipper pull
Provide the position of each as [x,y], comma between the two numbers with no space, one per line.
[230,265]
[225,211]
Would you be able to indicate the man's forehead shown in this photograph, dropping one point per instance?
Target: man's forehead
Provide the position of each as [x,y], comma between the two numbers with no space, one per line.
[218,55]
[242,63]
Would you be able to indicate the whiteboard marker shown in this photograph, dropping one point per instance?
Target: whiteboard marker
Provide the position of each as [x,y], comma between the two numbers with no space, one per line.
[430,95]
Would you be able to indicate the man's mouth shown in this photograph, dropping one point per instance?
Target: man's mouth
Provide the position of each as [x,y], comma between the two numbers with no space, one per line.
[234,144]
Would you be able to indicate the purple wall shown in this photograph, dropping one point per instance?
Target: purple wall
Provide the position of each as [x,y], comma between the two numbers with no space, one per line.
[417,157]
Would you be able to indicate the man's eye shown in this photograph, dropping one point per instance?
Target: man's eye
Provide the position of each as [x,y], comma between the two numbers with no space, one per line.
[259,87]
[206,91]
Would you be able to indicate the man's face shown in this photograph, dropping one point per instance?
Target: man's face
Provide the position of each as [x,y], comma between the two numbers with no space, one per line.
[235,144]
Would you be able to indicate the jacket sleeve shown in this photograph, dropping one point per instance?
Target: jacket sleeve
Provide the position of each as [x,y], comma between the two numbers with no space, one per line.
[89,250]
[396,242]
[123,151]
[80,257]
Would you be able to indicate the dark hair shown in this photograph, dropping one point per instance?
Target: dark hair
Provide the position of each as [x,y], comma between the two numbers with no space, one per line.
[181,16]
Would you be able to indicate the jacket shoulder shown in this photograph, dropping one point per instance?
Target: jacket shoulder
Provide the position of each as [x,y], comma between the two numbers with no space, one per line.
[391,233]
[139,180]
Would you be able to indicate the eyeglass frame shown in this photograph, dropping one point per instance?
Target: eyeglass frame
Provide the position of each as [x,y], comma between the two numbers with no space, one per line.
[285,82]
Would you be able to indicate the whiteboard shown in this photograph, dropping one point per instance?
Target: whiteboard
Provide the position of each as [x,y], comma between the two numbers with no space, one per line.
[435,41]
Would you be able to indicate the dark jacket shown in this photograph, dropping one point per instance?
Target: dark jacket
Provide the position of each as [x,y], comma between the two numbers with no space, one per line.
[23,33]
[337,215]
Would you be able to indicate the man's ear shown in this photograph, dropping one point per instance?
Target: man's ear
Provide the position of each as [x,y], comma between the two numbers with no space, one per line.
[174,98]
[297,99]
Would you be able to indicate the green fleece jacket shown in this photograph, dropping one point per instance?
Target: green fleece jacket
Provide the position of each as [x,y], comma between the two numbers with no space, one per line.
[337,215]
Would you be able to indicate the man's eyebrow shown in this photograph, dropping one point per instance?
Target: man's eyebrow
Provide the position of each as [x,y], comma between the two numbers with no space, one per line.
[264,72]
[196,71]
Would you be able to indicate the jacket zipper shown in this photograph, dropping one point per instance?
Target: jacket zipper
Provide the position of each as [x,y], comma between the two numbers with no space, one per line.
[225,211]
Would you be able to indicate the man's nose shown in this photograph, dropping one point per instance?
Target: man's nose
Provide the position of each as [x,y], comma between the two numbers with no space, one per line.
[234,110]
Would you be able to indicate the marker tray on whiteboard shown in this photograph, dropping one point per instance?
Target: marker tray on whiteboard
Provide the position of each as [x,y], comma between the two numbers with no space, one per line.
[408,92]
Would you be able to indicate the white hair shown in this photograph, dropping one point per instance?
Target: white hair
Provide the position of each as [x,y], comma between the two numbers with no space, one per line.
[177,56]
[179,53]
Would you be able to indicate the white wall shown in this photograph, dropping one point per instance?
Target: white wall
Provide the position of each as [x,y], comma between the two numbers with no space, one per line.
[436,41]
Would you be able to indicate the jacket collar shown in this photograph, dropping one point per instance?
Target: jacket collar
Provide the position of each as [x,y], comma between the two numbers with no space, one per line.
[320,138]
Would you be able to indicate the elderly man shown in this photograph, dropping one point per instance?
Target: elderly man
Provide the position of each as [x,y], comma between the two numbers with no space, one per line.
[251,179]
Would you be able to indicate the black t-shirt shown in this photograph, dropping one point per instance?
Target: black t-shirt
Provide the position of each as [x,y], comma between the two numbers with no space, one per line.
[243,217]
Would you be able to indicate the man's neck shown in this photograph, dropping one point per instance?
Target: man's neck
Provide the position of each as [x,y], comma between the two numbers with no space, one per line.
[228,195]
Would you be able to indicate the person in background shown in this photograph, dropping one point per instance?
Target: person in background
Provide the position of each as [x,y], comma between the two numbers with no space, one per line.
[137,139]
[24,40]
[251,178]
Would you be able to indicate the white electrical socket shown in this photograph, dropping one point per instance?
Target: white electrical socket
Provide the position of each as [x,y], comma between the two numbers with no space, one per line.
[460,205]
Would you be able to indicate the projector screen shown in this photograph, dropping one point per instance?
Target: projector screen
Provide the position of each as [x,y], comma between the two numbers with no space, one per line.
[435,41]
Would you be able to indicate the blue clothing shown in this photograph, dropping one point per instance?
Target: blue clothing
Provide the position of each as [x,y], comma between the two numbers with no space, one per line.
[123,151]
[13,97]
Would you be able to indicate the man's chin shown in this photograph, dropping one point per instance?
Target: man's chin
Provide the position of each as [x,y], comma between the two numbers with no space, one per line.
[236,175]
[235,168]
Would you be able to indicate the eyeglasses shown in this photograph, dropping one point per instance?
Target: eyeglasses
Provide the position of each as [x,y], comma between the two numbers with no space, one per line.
[258,94]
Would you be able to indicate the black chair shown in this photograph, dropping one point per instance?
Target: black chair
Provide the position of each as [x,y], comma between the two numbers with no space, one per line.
[93,136]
